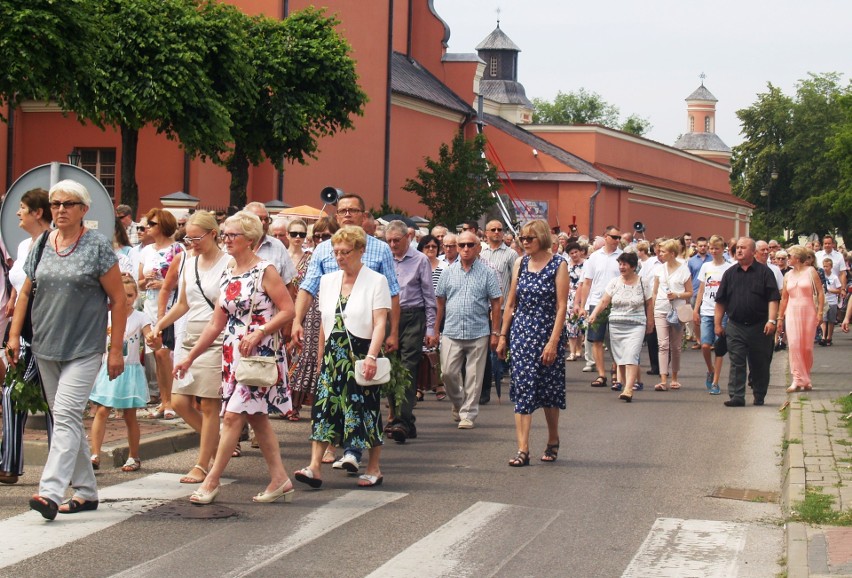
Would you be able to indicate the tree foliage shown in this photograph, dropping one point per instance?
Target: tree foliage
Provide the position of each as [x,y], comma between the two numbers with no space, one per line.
[304,88]
[458,186]
[585,107]
[800,138]
[45,46]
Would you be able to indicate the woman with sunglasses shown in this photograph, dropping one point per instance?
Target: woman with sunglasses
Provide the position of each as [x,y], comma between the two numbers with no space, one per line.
[154,263]
[198,294]
[254,305]
[75,273]
[303,380]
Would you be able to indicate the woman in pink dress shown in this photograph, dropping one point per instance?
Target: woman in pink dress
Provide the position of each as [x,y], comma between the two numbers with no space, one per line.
[798,315]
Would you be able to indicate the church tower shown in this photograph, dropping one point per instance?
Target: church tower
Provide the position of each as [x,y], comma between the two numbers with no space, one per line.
[701,138]
[503,95]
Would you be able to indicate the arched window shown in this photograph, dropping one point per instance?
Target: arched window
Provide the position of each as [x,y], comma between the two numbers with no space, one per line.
[493,66]
[691,123]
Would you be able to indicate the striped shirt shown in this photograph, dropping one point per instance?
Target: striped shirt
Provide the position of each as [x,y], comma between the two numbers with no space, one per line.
[377,256]
[467,296]
[502,260]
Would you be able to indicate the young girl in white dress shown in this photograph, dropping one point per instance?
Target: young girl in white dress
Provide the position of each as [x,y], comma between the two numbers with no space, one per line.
[129,390]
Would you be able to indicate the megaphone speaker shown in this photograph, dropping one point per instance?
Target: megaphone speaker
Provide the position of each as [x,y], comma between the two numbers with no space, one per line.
[639,227]
[330,195]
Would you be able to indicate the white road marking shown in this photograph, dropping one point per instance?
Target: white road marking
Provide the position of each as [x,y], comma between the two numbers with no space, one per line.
[677,548]
[29,534]
[464,545]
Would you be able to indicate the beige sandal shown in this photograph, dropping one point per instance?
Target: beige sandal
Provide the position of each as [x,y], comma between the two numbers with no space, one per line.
[328,456]
[187,479]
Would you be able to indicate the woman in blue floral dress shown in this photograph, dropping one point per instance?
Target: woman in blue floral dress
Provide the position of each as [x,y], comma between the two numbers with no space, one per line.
[535,312]
[254,305]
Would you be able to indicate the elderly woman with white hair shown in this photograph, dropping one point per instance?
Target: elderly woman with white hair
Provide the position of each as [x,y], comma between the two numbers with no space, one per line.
[75,270]
[254,305]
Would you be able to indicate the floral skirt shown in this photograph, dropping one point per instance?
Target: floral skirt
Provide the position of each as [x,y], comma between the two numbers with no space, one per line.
[344,413]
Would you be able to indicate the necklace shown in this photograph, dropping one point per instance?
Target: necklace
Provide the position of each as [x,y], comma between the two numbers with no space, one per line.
[73,247]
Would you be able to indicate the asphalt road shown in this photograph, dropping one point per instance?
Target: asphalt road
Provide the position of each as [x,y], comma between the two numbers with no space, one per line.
[450,505]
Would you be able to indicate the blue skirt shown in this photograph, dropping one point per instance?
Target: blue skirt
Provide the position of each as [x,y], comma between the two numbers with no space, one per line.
[129,390]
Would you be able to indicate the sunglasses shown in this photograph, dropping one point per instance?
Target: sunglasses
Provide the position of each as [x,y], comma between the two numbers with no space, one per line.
[525,239]
[299,234]
[496,229]
[467,245]
[323,236]
[618,237]
[64,204]
[150,224]
[188,240]
[430,246]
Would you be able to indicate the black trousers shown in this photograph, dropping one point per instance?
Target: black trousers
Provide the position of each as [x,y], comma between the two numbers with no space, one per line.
[412,330]
[750,354]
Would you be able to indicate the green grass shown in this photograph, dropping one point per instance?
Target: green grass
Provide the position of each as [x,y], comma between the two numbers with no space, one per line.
[787,443]
[817,509]
[845,404]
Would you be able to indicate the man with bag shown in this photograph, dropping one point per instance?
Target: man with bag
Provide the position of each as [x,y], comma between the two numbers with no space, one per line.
[749,295]
[416,321]
[466,290]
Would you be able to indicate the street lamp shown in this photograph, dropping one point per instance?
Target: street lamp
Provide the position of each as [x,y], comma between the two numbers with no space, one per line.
[764,192]
[74,157]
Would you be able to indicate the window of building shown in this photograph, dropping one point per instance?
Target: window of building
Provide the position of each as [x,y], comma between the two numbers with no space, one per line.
[101,163]
[493,66]
[691,123]
[707,127]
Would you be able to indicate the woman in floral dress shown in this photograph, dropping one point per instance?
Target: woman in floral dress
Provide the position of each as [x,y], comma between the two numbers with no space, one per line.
[251,292]
[346,413]
[535,312]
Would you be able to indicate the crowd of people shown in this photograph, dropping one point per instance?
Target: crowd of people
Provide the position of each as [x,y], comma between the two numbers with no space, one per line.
[226,320]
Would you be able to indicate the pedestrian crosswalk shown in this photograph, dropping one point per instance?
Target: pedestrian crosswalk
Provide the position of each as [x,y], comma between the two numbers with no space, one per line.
[482,540]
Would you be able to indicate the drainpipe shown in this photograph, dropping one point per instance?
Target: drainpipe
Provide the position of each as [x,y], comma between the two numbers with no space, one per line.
[592,211]
[410,29]
[10,145]
[388,95]
[186,167]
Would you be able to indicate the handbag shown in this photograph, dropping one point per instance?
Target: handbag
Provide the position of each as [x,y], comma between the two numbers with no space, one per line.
[27,328]
[383,364]
[672,317]
[168,333]
[257,370]
[684,312]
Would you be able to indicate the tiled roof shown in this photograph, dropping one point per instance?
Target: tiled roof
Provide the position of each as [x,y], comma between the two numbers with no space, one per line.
[408,77]
[701,141]
[504,92]
[701,93]
[497,40]
[552,150]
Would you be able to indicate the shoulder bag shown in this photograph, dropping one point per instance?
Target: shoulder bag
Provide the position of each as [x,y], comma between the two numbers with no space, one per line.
[258,370]
[200,288]
[168,333]
[383,364]
[27,329]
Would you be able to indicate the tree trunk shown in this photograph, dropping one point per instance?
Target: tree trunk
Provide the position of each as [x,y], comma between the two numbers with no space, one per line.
[238,166]
[129,186]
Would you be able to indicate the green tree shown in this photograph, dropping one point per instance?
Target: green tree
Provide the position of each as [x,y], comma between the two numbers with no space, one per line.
[790,163]
[45,46]
[305,88]
[584,107]
[458,186]
[154,67]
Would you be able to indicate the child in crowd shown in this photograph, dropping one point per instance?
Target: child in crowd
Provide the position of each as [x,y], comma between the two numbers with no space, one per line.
[709,277]
[832,292]
[129,390]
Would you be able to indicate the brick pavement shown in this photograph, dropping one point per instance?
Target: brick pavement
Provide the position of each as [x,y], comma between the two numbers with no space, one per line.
[819,457]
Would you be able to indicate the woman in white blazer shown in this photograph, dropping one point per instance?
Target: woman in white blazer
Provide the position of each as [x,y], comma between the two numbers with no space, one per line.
[354,303]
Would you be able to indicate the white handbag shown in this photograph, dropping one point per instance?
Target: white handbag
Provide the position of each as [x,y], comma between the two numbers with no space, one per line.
[383,364]
[258,370]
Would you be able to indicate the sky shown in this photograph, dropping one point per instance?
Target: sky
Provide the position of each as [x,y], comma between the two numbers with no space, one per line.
[647,57]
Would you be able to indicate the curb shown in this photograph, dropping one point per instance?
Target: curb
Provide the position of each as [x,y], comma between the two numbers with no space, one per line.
[151,446]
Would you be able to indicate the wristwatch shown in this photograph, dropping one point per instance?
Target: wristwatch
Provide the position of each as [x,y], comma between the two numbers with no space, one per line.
[772,321]
[262,329]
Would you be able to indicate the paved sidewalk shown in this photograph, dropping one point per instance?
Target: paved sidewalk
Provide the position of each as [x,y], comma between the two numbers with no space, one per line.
[158,437]
[818,457]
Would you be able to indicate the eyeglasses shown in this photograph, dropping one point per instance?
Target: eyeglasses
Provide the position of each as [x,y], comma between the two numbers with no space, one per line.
[341,252]
[393,241]
[349,211]
[467,245]
[450,245]
[615,237]
[299,234]
[496,229]
[150,224]
[195,239]
[323,236]
[232,236]
[64,204]
[264,219]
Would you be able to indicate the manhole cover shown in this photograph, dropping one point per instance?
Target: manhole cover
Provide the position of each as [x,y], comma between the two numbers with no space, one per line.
[191,511]
[745,495]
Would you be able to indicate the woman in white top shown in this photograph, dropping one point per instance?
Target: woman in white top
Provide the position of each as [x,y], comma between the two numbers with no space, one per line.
[672,288]
[199,292]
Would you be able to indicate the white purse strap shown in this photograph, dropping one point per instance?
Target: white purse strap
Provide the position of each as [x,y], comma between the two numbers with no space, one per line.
[258,279]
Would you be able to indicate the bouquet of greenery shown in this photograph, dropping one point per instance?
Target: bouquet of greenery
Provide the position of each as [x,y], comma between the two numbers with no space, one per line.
[400,379]
[602,319]
[26,394]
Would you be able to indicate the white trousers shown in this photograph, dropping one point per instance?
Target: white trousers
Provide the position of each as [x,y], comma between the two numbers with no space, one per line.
[469,354]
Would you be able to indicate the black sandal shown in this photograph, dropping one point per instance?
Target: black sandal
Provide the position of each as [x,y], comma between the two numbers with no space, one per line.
[550,452]
[74,506]
[599,382]
[419,395]
[520,460]
[44,506]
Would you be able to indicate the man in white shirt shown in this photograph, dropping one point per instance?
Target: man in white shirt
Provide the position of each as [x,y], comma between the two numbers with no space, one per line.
[450,245]
[599,269]
[829,252]
[271,249]
[761,255]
